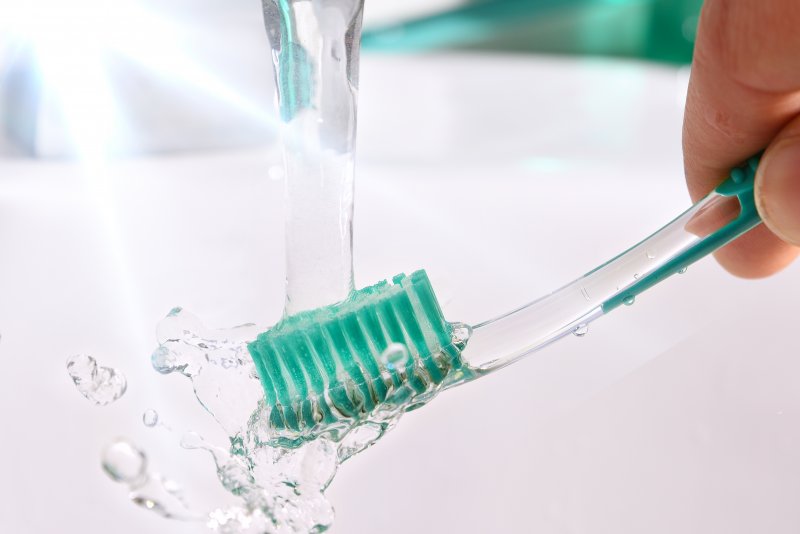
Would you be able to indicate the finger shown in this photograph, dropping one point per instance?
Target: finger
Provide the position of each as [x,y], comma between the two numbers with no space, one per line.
[757,254]
[778,185]
[744,89]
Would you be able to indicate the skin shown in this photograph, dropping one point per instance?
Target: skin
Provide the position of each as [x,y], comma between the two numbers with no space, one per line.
[744,96]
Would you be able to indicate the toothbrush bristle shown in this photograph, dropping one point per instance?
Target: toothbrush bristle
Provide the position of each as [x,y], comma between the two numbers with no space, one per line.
[326,365]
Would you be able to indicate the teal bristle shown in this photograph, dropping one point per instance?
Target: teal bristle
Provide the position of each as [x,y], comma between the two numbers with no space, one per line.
[323,366]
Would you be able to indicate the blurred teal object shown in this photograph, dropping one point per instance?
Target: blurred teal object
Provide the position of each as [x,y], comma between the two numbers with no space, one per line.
[659,30]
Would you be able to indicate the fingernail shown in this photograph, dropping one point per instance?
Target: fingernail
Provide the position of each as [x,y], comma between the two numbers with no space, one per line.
[778,190]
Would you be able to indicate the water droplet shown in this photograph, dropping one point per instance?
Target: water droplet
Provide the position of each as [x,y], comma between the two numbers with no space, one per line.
[682,270]
[101,385]
[150,418]
[629,300]
[123,462]
[461,333]
[581,330]
[650,255]
[163,360]
[395,356]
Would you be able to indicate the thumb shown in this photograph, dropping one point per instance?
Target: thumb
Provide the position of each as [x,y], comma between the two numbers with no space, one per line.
[777,187]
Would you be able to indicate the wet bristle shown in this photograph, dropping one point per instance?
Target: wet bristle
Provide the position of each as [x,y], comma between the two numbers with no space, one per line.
[324,365]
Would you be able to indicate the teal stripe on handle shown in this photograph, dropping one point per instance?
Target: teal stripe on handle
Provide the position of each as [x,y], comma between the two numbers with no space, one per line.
[740,184]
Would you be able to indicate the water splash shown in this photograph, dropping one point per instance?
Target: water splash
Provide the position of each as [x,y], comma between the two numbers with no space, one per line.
[217,362]
[126,464]
[280,490]
[279,479]
[100,385]
[280,482]
[150,418]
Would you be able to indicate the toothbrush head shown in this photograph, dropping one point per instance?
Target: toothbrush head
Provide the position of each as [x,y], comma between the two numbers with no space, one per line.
[335,364]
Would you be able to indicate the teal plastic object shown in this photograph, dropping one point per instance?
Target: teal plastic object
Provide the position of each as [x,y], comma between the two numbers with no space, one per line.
[294,71]
[740,184]
[324,366]
[659,30]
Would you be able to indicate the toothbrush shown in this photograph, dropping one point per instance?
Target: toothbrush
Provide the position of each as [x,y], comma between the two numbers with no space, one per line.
[324,366]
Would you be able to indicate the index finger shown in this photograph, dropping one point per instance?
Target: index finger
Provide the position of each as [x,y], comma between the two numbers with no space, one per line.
[744,88]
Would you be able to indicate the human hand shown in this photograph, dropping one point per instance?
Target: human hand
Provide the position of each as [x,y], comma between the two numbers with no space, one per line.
[744,95]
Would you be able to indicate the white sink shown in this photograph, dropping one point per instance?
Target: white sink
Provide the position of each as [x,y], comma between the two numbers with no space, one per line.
[504,177]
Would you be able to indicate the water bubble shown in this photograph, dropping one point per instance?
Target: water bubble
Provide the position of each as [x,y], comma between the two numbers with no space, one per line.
[123,462]
[629,300]
[461,333]
[581,330]
[101,385]
[163,360]
[150,418]
[395,356]
[682,270]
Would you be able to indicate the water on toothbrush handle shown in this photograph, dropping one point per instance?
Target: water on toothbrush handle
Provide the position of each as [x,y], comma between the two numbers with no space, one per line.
[720,217]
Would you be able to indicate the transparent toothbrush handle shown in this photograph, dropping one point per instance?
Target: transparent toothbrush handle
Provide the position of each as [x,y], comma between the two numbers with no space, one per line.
[722,216]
